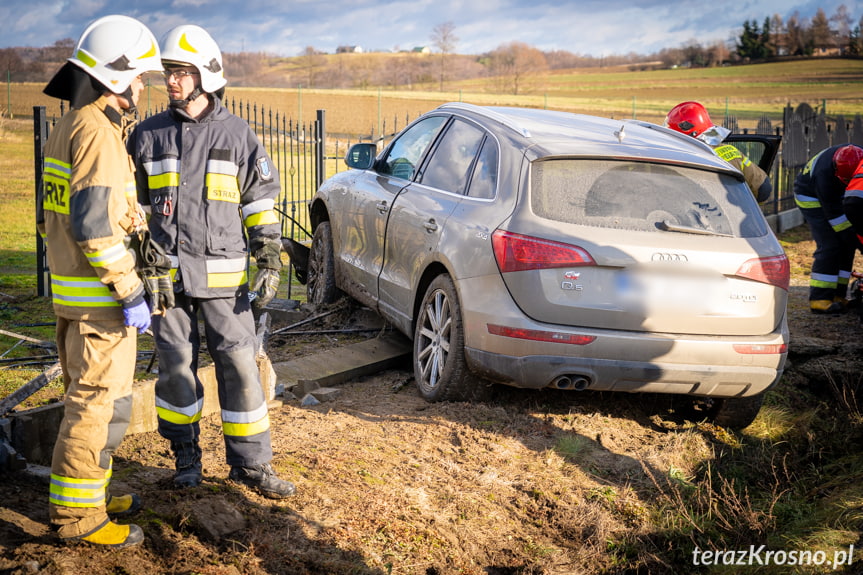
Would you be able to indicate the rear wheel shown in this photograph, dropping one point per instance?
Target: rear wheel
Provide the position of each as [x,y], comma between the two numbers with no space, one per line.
[321,281]
[731,412]
[440,369]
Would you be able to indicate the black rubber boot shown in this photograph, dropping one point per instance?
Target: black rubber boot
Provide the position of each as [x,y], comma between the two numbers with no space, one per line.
[187,457]
[263,479]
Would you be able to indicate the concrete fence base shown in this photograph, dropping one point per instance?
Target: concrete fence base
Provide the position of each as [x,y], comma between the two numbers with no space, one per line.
[34,431]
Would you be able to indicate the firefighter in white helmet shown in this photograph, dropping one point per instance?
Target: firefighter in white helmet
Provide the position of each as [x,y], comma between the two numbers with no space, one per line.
[86,208]
[211,190]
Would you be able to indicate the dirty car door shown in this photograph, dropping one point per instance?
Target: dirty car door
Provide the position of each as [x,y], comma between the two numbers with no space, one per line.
[368,207]
[419,216]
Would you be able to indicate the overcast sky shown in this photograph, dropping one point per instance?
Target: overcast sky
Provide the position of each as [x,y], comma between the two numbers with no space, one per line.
[287,27]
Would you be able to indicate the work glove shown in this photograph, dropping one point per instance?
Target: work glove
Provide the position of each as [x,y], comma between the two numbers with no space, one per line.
[269,254]
[265,284]
[137,315]
[154,267]
[160,291]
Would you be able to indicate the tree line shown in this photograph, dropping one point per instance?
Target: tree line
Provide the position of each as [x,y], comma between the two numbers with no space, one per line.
[509,65]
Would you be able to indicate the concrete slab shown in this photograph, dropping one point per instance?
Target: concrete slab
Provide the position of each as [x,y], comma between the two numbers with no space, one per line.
[337,366]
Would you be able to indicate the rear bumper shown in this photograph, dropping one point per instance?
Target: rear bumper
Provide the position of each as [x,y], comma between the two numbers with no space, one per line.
[540,371]
[616,360]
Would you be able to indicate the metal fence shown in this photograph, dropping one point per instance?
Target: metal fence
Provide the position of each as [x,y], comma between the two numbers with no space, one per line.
[804,131]
[304,158]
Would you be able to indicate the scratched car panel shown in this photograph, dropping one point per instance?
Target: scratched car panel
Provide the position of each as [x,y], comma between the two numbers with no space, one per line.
[582,253]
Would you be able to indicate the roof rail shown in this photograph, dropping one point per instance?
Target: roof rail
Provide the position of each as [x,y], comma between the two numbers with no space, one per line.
[489,113]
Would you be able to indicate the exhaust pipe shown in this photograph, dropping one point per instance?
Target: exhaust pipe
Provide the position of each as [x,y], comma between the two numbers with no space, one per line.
[574,382]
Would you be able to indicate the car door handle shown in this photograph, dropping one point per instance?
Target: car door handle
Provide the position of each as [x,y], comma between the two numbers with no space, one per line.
[430,226]
[382,207]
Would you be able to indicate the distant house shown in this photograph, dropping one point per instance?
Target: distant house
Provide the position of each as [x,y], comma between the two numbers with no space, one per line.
[421,50]
[349,50]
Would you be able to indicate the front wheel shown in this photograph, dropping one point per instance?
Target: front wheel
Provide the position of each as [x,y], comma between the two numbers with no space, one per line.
[321,274]
[440,369]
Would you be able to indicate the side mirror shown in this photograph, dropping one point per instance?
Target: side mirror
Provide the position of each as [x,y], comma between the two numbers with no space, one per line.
[361,156]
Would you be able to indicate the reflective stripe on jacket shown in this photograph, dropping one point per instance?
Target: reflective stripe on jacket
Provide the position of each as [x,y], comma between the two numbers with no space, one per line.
[818,187]
[753,174]
[210,184]
[86,208]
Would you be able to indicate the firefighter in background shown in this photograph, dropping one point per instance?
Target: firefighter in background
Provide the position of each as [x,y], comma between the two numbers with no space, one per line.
[210,188]
[818,191]
[692,119]
[86,208]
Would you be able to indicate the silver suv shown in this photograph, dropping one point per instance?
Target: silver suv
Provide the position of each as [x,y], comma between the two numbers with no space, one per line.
[546,249]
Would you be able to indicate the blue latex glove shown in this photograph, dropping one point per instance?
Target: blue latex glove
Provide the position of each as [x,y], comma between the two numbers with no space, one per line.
[137,316]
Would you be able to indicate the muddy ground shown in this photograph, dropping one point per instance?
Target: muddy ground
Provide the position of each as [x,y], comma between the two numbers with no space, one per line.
[532,482]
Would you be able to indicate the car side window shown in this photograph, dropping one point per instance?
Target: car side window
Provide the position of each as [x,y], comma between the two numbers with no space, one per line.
[451,162]
[483,182]
[407,151]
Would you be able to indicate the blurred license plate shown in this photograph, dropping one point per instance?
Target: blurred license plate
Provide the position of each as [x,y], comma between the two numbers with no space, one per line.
[660,290]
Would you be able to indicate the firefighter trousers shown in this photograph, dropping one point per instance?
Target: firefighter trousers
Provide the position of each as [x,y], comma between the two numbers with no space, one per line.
[98,359]
[832,260]
[229,329]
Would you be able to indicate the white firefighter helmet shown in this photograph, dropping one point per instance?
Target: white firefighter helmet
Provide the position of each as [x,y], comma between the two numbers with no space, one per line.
[115,50]
[192,45]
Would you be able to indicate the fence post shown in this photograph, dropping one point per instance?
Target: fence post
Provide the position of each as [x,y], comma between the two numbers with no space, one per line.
[321,152]
[40,136]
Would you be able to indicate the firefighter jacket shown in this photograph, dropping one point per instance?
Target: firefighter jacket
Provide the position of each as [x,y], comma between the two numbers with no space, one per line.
[818,187]
[85,209]
[755,177]
[211,189]
[853,201]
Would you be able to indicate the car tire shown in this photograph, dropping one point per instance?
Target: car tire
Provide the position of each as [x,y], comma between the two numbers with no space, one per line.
[440,368]
[321,274]
[733,412]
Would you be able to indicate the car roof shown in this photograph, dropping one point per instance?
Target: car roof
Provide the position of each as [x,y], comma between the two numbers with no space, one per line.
[549,133]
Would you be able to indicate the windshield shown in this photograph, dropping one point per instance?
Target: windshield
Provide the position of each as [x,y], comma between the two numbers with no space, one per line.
[644,197]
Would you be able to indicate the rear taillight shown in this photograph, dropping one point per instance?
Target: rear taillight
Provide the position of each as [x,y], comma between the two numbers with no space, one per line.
[538,335]
[516,252]
[774,270]
[748,349]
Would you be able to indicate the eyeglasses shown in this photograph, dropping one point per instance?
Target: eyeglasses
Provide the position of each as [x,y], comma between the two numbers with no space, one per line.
[178,74]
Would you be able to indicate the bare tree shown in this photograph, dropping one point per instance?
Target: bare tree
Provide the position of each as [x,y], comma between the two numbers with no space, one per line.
[842,20]
[512,62]
[778,42]
[798,36]
[822,37]
[444,38]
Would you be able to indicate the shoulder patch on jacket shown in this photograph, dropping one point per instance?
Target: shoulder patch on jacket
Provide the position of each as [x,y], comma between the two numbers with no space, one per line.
[265,172]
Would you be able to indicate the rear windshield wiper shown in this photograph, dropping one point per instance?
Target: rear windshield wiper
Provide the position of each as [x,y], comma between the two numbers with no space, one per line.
[667,226]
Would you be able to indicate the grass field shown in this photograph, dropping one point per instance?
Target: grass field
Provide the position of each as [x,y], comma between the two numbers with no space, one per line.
[748,92]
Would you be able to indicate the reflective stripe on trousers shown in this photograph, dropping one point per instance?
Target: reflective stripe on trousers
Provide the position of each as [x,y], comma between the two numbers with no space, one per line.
[230,334]
[98,361]
[832,260]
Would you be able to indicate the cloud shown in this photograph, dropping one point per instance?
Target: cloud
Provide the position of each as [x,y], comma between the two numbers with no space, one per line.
[588,27]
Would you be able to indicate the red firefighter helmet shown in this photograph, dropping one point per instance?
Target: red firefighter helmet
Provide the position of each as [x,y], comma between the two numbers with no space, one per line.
[845,161]
[690,118]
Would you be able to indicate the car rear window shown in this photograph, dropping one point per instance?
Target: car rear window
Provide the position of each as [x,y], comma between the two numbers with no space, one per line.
[644,197]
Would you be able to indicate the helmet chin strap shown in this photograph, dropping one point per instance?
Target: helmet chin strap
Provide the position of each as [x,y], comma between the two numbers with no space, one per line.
[185,101]
[128,95]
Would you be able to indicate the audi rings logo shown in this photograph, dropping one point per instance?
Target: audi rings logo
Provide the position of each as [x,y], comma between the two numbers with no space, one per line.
[669,258]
